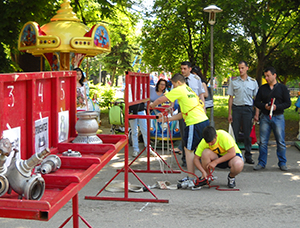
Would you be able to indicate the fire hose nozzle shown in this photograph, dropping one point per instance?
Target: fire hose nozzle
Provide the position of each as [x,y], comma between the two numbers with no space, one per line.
[21,180]
[50,164]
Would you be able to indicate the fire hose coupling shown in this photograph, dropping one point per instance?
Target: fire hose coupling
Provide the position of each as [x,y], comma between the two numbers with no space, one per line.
[5,149]
[49,164]
[3,168]
[21,179]
[4,185]
[195,183]
[186,184]
[27,165]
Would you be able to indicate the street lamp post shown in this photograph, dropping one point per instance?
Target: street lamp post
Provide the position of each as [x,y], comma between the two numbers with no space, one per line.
[212,10]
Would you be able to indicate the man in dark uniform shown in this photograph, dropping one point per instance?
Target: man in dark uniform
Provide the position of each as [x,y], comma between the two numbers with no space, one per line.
[242,91]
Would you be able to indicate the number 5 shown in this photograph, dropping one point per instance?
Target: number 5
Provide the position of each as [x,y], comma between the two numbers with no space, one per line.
[62,90]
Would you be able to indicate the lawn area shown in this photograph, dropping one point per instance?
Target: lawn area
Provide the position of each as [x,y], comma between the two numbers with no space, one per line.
[221,114]
[221,108]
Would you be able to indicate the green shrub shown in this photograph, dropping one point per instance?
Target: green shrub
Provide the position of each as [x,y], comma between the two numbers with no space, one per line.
[105,94]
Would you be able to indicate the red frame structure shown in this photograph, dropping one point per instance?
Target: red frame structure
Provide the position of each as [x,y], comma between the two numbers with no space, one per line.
[25,98]
[137,91]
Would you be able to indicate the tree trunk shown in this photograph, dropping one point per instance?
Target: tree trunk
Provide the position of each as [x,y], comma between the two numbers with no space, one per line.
[112,77]
[29,63]
[205,65]
[260,67]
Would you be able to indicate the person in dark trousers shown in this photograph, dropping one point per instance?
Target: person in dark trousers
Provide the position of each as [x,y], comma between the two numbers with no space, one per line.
[272,98]
[242,90]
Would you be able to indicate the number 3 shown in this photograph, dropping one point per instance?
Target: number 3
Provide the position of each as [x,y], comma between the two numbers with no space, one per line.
[11,95]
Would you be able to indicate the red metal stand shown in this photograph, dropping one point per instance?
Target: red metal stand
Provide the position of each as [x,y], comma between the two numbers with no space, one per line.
[137,91]
[147,148]
[75,214]
[25,98]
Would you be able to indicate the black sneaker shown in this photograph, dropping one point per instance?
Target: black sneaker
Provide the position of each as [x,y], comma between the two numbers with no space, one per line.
[183,180]
[249,161]
[231,182]
[202,182]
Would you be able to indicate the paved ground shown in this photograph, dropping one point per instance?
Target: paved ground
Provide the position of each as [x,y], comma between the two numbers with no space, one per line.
[268,198]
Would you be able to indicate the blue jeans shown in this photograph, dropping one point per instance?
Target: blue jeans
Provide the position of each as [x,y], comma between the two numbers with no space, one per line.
[277,124]
[134,124]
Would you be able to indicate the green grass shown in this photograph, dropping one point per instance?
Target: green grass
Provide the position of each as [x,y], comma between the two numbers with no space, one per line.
[104,111]
[290,113]
[221,108]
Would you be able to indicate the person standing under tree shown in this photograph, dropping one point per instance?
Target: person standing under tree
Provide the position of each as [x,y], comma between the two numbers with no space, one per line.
[297,104]
[242,90]
[82,101]
[207,95]
[277,95]
[135,125]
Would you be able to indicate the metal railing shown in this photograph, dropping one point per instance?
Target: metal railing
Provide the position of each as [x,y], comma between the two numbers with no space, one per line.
[222,91]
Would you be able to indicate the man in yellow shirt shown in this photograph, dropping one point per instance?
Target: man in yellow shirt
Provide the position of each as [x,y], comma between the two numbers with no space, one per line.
[193,114]
[218,149]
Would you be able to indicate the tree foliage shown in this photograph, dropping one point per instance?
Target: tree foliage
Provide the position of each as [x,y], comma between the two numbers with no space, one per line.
[180,32]
[124,44]
[255,31]
[173,35]
[15,13]
[261,32]
[269,28]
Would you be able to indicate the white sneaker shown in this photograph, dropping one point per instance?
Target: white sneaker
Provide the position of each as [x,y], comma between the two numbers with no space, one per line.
[135,153]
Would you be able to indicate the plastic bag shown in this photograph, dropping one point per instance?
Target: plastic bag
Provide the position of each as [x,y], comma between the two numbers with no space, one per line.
[253,135]
[230,131]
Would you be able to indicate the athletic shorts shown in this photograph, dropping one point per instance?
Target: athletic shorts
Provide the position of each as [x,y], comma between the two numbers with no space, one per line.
[225,165]
[193,134]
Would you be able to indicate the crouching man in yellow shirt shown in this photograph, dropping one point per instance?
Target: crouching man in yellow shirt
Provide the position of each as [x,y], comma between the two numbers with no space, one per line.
[218,149]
